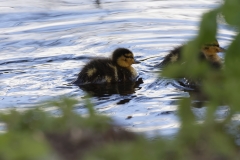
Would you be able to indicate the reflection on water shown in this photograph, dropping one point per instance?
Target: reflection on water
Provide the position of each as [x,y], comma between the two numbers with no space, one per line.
[103,90]
[44,44]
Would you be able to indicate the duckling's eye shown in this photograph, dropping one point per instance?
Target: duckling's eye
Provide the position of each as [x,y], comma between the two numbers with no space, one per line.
[215,45]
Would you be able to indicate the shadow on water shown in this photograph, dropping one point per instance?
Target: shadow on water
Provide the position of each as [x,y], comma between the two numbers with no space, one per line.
[103,90]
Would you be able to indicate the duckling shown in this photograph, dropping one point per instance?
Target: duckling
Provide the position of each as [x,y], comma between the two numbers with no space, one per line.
[118,68]
[207,53]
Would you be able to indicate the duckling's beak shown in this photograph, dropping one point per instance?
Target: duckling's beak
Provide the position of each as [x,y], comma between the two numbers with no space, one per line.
[221,49]
[136,61]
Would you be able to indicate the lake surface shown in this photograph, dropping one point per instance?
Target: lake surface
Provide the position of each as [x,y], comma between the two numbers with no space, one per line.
[44,44]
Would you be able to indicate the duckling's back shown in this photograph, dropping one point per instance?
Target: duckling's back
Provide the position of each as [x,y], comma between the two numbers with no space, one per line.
[96,71]
[172,57]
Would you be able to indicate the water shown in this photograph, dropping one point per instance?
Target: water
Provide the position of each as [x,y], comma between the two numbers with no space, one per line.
[44,44]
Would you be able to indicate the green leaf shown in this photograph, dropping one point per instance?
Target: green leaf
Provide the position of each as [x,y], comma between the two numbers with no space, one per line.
[230,11]
[208,27]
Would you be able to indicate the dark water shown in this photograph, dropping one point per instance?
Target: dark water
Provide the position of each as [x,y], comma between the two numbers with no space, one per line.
[44,44]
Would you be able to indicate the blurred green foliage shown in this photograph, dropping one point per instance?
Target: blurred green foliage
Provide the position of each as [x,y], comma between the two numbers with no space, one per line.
[29,133]
[36,134]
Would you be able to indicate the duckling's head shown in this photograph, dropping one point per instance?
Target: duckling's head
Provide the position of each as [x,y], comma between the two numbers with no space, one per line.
[210,51]
[123,57]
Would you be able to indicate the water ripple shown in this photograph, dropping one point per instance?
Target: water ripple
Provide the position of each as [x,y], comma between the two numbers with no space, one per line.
[46,43]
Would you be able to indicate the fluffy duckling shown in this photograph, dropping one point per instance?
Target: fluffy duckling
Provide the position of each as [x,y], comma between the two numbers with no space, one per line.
[207,53]
[118,68]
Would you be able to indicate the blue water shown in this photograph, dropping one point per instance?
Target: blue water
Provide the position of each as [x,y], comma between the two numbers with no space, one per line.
[44,44]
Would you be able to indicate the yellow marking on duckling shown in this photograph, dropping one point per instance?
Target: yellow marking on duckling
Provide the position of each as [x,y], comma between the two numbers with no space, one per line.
[129,55]
[108,79]
[115,71]
[174,58]
[91,71]
[210,53]
[126,61]
[133,71]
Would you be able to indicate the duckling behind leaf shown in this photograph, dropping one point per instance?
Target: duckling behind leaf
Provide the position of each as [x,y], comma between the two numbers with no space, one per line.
[207,53]
[118,68]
